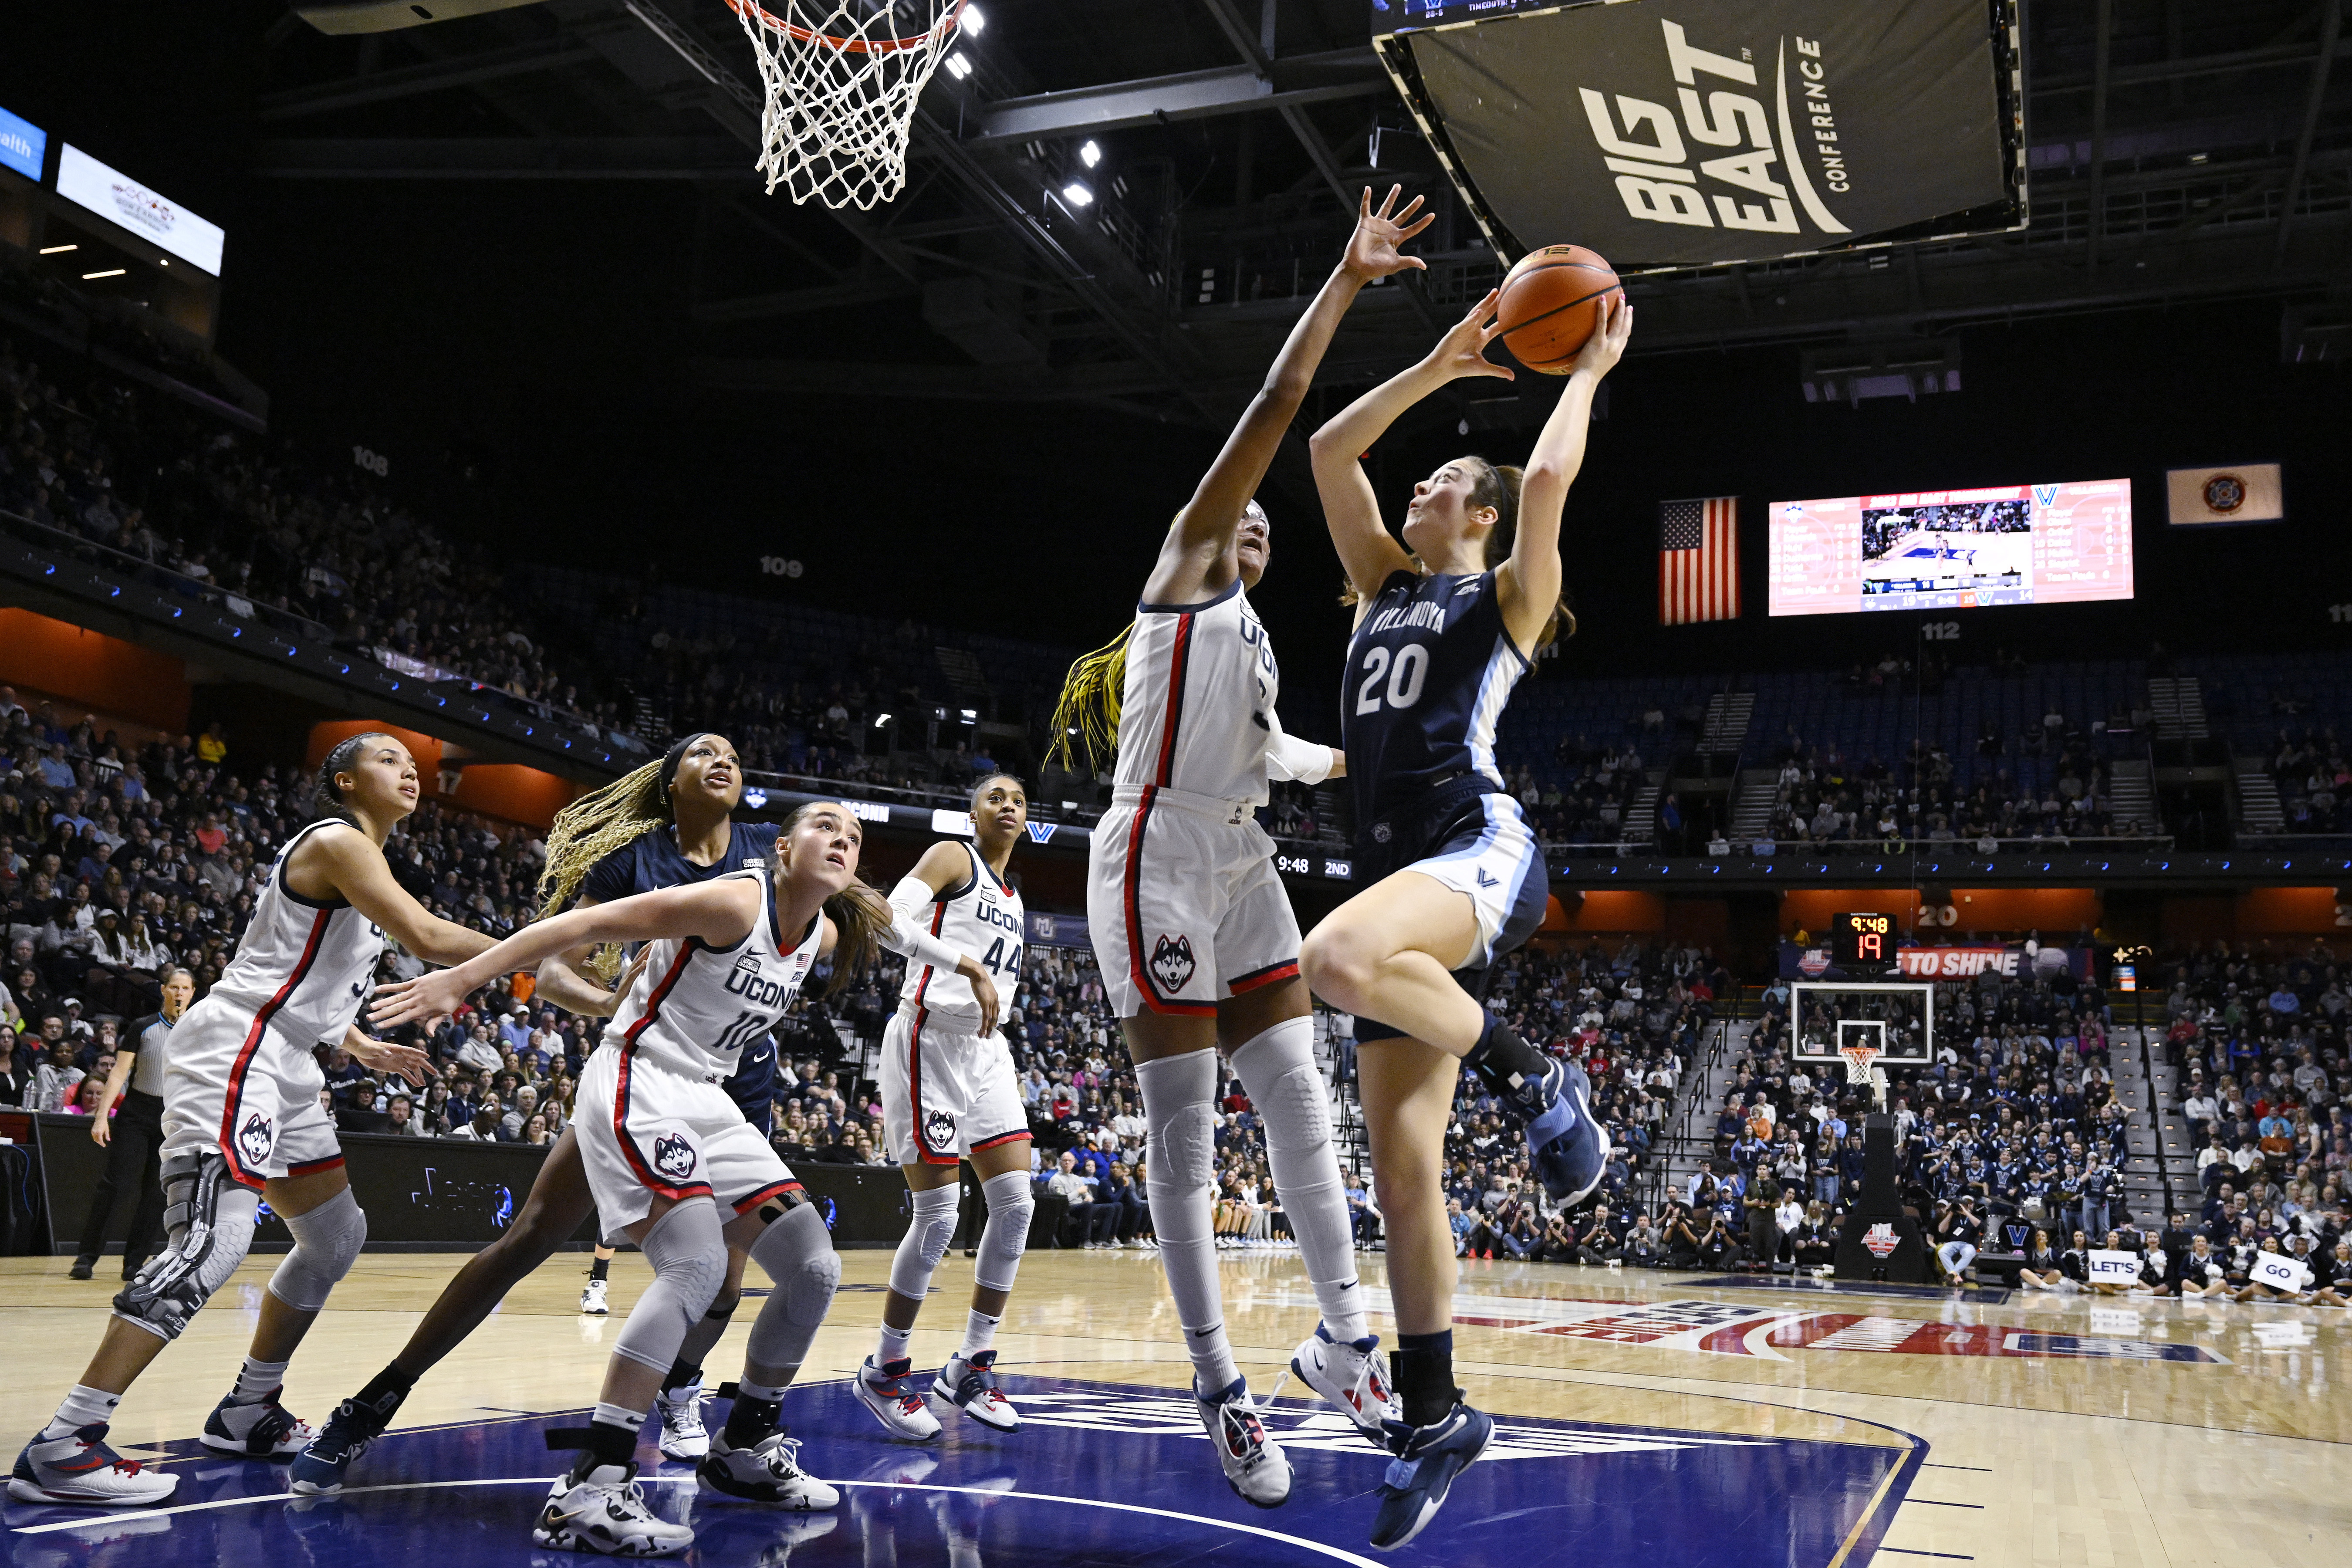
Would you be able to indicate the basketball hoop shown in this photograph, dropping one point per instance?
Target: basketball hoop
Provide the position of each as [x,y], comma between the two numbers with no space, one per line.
[1861,1068]
[841,87]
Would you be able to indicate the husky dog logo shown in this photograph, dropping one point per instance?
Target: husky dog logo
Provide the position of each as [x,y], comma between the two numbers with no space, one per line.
[1880,1239]
[673,1156]
[1171,961]
[939,1129]
[1381,832]
[256,1138]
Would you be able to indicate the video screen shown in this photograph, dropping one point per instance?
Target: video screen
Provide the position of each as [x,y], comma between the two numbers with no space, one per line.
[1952,550]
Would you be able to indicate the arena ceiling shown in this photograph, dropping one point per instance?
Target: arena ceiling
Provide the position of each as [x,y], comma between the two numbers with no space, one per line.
[2177,153]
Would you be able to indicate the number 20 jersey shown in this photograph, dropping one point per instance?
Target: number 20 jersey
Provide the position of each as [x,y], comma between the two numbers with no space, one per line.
[694,1007]
[980,916]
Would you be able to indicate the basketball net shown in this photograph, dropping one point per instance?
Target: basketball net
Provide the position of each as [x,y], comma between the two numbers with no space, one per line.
[1861,1067]
[841,87]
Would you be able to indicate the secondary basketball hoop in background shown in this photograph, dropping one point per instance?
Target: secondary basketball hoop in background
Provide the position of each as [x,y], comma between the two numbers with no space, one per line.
[842,85]
[1861,1068]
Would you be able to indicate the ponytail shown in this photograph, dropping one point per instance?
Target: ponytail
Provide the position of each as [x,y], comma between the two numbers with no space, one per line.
[1496,485]
[329,794]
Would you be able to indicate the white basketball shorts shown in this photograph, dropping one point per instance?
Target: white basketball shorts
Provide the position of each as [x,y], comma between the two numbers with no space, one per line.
[946,1092]
[1183,903]
[243,1088]
[648,1132]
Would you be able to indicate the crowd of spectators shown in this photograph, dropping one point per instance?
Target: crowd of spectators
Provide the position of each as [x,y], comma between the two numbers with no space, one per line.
[2315,781]
[1824,796]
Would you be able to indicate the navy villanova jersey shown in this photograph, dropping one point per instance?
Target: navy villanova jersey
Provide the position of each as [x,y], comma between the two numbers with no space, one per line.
[1429,671]
[653,860]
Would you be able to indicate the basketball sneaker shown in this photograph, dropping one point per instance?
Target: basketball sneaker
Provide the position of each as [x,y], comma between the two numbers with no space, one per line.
[766,1471]
[264,1429]
[683,1436]
[323,1465]
[1353,1376]
[1427,1460]
[591,1299]
[81,1467]
[604,1510]
[1565,1144]
[889,1392]
[971,1386]
[1255,1467]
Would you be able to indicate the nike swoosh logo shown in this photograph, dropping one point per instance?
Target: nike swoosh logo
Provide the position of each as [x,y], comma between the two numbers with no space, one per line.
[1204,1333]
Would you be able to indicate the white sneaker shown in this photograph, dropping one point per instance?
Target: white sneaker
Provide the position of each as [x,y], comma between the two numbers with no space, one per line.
[767,1471]
[591,1299]
[683,1436]
[889,1392]
[264,1429]
[605,1511]
[1353,1376]
[81,1467]
[1255,1467]
[971,1385]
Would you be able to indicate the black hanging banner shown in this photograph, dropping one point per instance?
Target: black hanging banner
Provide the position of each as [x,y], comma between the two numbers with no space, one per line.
[1697,132]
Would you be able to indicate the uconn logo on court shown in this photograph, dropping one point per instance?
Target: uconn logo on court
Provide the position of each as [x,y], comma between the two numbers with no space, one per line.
[746,981]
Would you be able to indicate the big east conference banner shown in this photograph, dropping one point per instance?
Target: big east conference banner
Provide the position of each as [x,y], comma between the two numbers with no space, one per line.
[1697,131]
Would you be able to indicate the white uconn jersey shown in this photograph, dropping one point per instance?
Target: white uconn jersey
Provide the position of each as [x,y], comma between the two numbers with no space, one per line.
[694,1007]
[304,965]
[1200,680]
[982,917]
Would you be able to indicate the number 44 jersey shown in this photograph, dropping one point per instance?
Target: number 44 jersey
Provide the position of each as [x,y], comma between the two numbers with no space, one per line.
[980,916]
[693,1007]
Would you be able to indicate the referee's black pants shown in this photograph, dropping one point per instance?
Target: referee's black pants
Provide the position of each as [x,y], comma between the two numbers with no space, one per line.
[135,1164]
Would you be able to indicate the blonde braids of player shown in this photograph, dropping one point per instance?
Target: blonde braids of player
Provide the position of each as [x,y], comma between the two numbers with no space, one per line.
[592,827]
[1087,712]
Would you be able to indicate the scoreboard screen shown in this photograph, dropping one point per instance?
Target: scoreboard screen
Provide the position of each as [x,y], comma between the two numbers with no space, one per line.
[1863,943]
[1952,550]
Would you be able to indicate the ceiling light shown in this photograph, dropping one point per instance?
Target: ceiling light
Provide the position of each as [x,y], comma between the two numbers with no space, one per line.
[958,67]
[973,22]
[110,272]
[1090,154]
[1076,194]
[57,249]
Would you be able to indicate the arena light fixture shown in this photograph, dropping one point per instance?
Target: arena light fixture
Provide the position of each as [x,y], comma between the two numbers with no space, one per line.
[974,21]
[1090,154]
[958,67]
[57,249]
[110,272]
[1077,194]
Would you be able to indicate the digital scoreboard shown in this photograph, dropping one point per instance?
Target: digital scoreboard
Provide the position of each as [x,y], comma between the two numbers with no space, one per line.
[1863,943]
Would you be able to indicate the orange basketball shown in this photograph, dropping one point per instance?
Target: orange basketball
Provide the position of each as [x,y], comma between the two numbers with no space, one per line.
[1551,302]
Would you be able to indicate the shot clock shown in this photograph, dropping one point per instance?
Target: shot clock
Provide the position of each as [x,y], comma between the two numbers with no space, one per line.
[1863,943]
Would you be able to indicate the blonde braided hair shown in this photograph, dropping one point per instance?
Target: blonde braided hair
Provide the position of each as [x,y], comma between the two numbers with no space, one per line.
[1087,712]
[592,827]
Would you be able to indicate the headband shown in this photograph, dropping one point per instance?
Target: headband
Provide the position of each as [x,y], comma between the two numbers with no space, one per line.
[675,755]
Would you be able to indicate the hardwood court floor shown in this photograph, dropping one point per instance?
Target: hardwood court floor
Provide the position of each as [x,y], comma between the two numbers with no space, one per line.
[2012,1429]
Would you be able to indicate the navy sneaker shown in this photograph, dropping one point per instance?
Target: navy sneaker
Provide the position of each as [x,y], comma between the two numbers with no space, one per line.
[263,1429]
[1565,1146]
[322,1466]
[1427,1460]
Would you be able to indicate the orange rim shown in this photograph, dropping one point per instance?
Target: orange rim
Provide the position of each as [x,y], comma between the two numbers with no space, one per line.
[937,32]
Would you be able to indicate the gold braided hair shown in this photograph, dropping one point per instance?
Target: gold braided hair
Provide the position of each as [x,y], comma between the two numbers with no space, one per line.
[592,827]
[1088,712]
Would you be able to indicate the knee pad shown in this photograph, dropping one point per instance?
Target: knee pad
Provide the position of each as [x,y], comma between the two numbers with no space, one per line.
[1006,1234]
[689,1254]
[1277,1068]
[326,1241]
[1177,1094]
[208,1220]
[925,1242]
[796,1252]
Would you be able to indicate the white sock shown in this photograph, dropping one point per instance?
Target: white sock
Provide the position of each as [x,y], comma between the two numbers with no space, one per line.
[749,1390]
[83,1406]
[979,1334]
[1177,1096]
[619,1416]
[894,1346]
[1277,1069]
[258,1380]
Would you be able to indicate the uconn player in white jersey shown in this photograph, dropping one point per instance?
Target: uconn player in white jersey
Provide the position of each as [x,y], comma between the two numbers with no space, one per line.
[1194,936]
[674,1166]
[241,1120]
[949,1094]
[1452,879]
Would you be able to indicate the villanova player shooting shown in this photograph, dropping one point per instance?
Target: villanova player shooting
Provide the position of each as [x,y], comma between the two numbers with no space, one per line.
[1451,878]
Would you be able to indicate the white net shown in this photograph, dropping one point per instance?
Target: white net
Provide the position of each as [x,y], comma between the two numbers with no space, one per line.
[842,82]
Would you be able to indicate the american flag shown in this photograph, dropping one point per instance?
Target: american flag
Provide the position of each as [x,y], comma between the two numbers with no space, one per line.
[1698,560]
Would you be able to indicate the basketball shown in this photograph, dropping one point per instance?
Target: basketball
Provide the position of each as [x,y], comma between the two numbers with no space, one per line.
[1551,302]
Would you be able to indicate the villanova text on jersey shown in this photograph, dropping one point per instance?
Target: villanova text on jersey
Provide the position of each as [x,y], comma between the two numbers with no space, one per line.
[1430,668]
